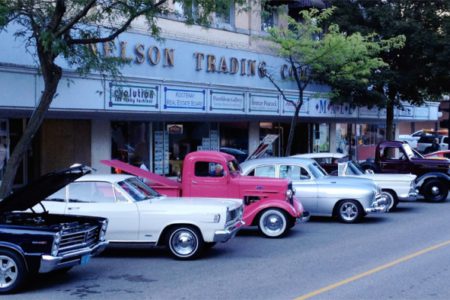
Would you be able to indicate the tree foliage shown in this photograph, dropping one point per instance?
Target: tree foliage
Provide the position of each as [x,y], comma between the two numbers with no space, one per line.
[318,51]
[418,71]
[67,29]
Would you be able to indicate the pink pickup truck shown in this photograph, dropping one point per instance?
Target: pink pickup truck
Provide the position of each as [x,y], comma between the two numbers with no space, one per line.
[269,203]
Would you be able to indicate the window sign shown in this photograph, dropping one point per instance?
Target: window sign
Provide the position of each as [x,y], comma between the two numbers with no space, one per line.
[133,97]
[227,102]
[264,104]
[184,99]
[161,155]
[289,109]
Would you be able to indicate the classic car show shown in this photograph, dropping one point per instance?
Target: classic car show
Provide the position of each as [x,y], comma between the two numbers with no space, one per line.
[224,149]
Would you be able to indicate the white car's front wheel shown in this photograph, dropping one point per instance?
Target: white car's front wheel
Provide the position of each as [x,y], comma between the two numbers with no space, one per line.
[273,223]
[391,200]
[185,242]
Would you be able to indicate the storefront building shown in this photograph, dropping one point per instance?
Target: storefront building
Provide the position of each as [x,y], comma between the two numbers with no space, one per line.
[176,96]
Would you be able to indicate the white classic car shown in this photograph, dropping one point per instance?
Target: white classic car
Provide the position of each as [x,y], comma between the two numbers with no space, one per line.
[138,214]
[395,187]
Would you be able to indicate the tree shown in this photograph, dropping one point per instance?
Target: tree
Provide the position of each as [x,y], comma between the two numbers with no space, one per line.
[324,56]
[418,71]
[68,29]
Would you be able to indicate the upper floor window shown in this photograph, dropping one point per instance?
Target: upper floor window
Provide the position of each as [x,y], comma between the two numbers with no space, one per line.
[269,18]
[224,14]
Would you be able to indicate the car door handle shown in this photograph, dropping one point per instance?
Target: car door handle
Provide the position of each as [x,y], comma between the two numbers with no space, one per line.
[73,208]
[194,182]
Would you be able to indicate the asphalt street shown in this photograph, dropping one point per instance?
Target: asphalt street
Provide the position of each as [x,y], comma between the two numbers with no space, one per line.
[400,255]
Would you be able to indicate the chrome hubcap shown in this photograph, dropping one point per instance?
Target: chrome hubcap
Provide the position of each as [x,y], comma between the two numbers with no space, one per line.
[273,224]
[435,190]
[349,211]
[184,242]
[8,271]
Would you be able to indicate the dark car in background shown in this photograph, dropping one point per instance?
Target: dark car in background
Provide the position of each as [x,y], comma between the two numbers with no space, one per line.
[39,242]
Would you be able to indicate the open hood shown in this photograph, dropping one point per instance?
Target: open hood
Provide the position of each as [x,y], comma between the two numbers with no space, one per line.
[33,193]
[153,179]
[263,147]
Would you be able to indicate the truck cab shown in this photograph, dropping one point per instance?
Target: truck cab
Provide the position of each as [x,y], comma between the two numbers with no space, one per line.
[433,175]
[269,203]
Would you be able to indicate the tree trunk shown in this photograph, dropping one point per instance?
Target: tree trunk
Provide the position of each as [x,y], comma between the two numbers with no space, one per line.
[390,134]
[52,75]
[294,121]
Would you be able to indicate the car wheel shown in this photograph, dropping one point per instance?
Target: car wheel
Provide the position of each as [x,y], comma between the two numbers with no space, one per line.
[435,190]
[185,242]
[12,271]
[273,223]
[349,211]
[391,200]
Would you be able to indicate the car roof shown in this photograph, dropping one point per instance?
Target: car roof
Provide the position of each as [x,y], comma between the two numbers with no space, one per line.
[112,178]
[321,155]
[278,160]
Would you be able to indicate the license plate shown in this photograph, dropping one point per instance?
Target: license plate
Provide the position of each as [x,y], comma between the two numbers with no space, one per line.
[85,259]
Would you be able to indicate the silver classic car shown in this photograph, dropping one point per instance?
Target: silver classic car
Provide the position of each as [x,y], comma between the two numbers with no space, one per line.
[348,199]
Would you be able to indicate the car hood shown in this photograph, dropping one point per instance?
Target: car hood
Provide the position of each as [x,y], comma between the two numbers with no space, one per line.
[390,177]
[200,202]
[354,182]
[34,192]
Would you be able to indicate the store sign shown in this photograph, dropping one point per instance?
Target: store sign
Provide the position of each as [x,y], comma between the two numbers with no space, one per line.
[133,96]
[227,102]
[184,99]
[288,108]
[263,104]
[324,107]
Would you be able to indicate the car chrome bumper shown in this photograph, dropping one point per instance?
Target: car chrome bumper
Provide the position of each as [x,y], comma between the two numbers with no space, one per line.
[50,263]
[379,206]
[412,196]
[304,217]
[230,232]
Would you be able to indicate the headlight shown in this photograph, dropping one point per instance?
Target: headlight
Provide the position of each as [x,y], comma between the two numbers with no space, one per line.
[55,246]
[103,230]
[289,193]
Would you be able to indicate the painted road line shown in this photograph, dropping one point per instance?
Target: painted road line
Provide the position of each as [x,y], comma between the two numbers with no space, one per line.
[372,271]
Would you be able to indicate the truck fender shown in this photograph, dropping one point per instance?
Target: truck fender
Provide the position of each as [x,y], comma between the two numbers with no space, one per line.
[252,210]
[435,175]
[15,248]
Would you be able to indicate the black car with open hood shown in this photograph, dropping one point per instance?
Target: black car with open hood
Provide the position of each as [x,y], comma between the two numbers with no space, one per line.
[39,242]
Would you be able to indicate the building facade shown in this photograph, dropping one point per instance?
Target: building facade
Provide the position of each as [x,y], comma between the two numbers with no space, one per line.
[196,89]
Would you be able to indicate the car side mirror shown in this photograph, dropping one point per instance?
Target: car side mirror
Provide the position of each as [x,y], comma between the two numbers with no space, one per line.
[368,171]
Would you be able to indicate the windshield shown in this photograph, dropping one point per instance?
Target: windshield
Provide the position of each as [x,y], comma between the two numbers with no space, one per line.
[354,169]
[410,152]
[317,170]
[138,190]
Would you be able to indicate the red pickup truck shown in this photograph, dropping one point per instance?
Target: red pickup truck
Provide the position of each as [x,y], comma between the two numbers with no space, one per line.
[269,203]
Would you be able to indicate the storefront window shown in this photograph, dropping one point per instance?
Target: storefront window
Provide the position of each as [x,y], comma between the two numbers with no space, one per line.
[130,143]
[234,139]
[173,141]
[321,140]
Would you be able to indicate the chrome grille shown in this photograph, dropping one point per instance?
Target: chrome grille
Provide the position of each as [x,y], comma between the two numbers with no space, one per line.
[78,239]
